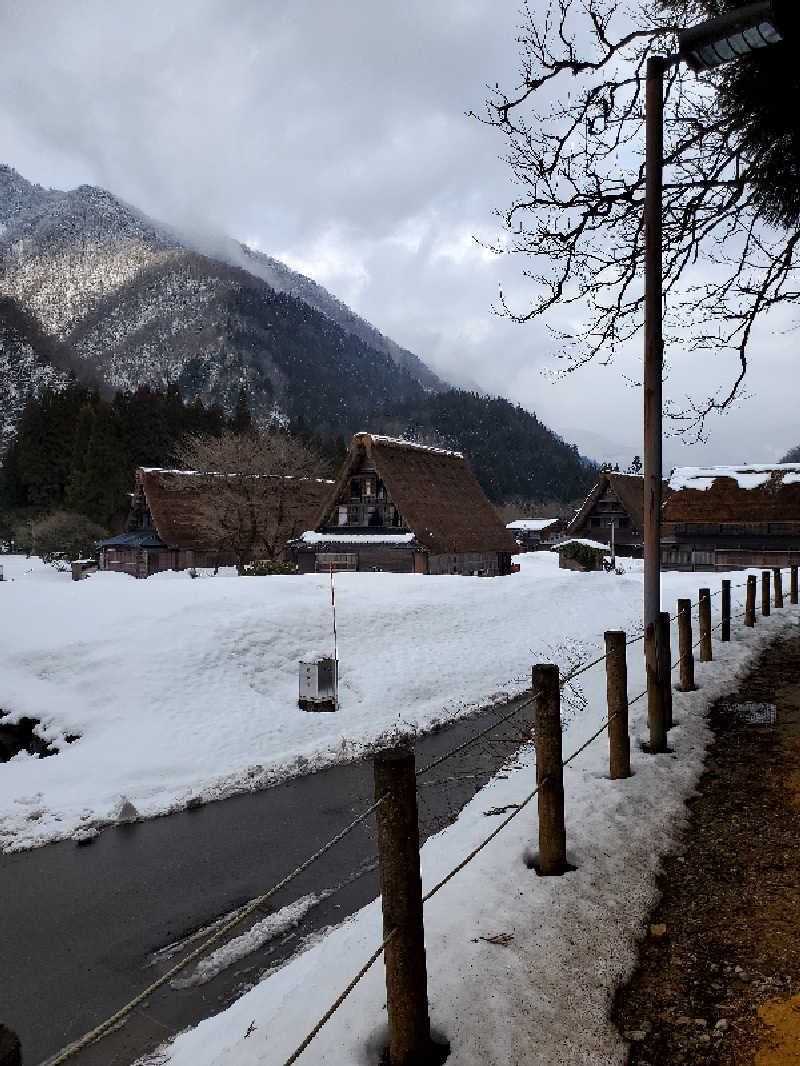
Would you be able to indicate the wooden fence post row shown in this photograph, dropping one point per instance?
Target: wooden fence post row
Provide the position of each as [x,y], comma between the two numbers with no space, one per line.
[619,743]
[765,592]
[777,578]
[705,626]
[750,603]
[726,610]
[549,770]
[656,704]
[401,899]
[685,646]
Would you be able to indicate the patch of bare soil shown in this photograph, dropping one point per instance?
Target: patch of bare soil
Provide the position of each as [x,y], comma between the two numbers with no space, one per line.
[719,973]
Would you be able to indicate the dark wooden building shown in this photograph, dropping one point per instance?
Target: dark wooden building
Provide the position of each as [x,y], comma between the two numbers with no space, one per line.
[403,507]
[616,500]
[730,518]
[536,534]
[181,519]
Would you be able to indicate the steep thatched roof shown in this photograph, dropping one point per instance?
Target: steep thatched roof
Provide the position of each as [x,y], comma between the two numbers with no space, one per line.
[736,495]
[434,490]
[185,504]
[629,489]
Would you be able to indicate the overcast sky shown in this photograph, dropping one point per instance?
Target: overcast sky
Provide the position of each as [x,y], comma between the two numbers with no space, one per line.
[334,137]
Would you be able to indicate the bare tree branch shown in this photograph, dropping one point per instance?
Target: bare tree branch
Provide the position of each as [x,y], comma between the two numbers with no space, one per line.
[574,140]
[255,496]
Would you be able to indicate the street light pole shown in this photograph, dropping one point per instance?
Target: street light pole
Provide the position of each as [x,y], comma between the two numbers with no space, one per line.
[748,28]
[653,375]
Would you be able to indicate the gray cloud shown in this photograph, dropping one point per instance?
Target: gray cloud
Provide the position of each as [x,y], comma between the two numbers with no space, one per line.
[334,136]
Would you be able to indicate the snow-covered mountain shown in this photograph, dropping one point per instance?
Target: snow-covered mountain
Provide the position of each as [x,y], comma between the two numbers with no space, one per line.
[137,303]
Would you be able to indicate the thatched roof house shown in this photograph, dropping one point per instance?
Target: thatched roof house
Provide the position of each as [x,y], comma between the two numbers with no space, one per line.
[182,518]
[726,517]
[616,500]
[397,505]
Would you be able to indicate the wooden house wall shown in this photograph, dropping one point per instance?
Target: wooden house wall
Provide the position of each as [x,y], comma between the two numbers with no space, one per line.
[368,557]
[486,564]
[144,562]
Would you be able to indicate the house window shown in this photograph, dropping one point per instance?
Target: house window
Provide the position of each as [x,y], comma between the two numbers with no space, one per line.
[369,487]
[342,517]
[355,489]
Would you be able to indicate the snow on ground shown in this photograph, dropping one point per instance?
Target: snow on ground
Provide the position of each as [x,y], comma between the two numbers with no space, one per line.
[521,969]
[186,689]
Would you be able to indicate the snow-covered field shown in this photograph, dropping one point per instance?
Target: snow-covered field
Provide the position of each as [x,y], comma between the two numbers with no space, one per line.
[184,688]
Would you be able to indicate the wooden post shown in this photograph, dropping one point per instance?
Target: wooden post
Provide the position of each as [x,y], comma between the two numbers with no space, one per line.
[777,578]
[10,1050]
[765,592]
[619,742]
[549,770]
[656,712]
[665,664]
[685,646]
[401,898]
[726,610]
[750,605]
[793,584]
[705,626]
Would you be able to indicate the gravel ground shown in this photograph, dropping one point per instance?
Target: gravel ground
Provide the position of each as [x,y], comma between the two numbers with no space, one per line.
[718,979]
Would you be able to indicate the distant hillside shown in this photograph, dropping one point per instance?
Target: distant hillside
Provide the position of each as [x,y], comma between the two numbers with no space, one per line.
[121,301]
[510,451]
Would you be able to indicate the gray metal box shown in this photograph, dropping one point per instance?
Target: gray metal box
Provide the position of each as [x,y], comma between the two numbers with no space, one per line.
[319,685]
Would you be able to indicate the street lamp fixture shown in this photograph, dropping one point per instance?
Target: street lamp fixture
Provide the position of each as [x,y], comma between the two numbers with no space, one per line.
[737,33]
[704,47]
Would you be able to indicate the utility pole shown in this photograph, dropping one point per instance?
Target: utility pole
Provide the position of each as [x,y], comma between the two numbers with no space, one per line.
[653,371]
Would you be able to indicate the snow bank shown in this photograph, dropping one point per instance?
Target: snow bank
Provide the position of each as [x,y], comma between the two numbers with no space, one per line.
[185,690]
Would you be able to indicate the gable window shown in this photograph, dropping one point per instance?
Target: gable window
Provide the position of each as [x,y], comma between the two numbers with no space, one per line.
[355,489]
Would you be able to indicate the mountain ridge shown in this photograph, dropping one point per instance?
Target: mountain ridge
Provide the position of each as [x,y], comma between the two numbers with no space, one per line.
[132,303]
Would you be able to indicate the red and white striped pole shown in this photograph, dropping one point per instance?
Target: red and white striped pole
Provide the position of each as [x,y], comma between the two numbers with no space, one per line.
[333,615]
[335,650]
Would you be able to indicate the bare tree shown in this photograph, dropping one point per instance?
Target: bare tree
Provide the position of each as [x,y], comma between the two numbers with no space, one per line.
[261,487]
[574,136]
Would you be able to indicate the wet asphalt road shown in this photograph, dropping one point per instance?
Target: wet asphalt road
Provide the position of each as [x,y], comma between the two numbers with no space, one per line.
[79,926]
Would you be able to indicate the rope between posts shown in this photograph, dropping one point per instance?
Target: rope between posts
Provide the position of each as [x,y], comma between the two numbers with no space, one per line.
[339,1000]
[471,740]
[475,851]
[123,1012]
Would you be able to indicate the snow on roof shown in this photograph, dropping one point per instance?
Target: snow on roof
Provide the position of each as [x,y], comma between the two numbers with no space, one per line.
[531,523]
[229,473]
[311,537]
[582,540]
[747,476]
[380,439]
